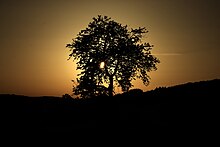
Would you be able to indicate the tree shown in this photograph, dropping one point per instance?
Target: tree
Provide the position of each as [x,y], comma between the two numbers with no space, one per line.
[108,52]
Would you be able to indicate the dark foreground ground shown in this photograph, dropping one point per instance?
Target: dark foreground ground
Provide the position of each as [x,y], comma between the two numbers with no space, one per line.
[191,106]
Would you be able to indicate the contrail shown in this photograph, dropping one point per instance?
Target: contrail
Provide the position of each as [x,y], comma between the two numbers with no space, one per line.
[167,54]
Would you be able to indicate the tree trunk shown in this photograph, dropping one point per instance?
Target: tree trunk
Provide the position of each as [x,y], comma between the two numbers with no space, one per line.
[110,88]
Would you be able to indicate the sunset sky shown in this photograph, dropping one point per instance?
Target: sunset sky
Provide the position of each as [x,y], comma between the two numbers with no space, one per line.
[34,33]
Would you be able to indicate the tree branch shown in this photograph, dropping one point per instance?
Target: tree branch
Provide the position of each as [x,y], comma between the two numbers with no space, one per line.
[116,68]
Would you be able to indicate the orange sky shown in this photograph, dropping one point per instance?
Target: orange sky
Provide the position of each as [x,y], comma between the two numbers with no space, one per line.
[33,57]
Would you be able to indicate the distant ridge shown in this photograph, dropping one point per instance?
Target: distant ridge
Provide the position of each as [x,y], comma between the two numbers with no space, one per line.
[186,90]
[190,84]
[213,83]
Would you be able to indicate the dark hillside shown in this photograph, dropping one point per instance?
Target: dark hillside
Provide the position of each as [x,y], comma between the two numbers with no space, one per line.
[185,105]
[190,105]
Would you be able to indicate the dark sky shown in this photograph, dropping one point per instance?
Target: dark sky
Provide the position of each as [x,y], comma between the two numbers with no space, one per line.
[33,36]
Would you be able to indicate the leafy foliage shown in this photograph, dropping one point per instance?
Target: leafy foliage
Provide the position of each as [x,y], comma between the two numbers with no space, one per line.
[122,51]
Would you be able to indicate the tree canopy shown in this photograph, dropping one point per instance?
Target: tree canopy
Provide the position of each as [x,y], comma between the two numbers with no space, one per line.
[109,53]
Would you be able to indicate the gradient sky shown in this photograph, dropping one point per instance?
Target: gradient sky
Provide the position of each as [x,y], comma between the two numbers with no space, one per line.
[34,33]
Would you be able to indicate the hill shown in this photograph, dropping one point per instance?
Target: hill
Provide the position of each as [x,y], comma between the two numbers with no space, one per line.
[190,105]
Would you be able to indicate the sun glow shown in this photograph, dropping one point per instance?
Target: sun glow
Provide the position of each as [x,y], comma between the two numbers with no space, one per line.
[102,64]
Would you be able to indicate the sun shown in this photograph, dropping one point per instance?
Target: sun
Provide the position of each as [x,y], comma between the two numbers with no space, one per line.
[102,65]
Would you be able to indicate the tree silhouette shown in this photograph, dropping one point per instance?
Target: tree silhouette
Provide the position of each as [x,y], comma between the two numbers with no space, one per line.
[108,52]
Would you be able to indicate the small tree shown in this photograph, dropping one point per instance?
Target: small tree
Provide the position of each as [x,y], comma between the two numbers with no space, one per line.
[108,52]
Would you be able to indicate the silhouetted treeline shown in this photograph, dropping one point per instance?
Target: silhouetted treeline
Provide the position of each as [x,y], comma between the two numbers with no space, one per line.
[182,106]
